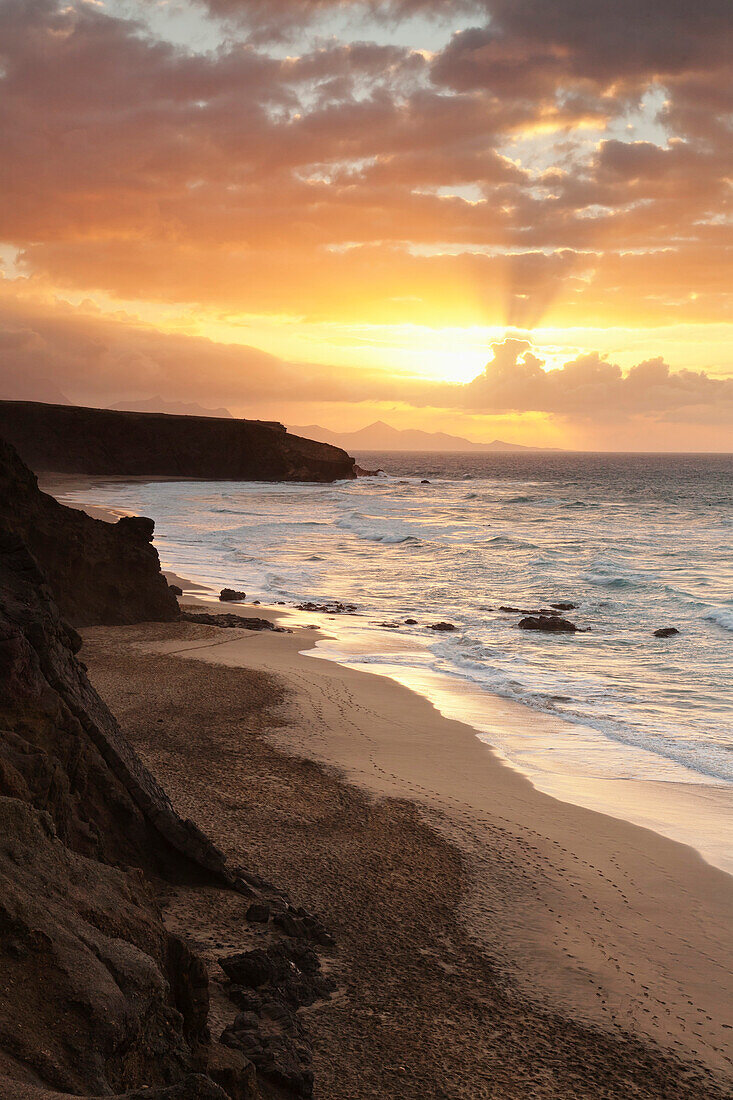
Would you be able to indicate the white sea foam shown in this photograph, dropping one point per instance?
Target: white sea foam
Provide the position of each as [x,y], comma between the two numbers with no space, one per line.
[722,617]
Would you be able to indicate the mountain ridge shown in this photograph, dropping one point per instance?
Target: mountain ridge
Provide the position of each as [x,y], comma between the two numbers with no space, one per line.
[380,436]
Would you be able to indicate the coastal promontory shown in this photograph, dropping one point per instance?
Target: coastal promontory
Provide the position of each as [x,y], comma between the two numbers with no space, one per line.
[74,440]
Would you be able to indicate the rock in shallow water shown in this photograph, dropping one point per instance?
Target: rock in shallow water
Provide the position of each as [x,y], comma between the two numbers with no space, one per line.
[231,595]
[242,622]
[442,626]
[336,608]
[666,632]
[551,624]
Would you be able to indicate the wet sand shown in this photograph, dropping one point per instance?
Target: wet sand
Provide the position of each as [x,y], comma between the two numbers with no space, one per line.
[493,941]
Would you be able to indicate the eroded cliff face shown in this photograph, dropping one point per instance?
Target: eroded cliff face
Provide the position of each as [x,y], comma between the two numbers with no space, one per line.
[100,573]
[87,999]
[95,995]
[62,751]
[68,439]
[98,997]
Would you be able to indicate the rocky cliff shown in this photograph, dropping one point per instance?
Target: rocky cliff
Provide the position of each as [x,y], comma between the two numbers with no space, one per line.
[68,439]
[100,573]
[94,994]
[97,996]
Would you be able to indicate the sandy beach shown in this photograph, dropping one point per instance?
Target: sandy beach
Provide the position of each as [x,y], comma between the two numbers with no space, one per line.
[493,941]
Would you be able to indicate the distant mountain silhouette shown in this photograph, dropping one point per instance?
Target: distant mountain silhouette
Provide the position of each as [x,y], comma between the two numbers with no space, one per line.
[382,437]
[160,404]
[16,387]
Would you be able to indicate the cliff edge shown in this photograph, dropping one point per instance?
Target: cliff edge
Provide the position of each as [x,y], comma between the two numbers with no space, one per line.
[74,440]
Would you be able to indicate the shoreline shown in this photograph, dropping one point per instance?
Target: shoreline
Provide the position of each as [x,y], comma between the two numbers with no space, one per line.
[696,813]
[584,915]
[692,812]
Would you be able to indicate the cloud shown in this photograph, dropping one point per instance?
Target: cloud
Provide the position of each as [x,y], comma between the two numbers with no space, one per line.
[279,20]
[532,47]
[516,380]
[360,181]
[56,352]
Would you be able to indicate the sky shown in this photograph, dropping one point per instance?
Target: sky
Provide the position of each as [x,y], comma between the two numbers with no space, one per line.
[496,218]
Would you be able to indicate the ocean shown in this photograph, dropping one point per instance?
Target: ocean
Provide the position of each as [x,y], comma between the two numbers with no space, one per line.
[638,542]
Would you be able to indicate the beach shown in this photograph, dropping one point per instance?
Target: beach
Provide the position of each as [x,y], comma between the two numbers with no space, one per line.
[610,717]
[492,941]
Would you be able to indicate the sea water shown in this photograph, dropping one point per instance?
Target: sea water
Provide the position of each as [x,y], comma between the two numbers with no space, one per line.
[637,542]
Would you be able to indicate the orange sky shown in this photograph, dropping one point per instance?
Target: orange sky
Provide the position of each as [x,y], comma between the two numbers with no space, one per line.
[511,220]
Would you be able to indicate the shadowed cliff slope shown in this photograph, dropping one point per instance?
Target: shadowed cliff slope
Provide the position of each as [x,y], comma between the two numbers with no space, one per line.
[97,996]
[62,751]
[100,573]
[68,439]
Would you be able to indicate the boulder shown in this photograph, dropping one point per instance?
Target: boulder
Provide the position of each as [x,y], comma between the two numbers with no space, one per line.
[442,626]
[666,632]
[175,589]
[231,595]
[258,913]
[551,624]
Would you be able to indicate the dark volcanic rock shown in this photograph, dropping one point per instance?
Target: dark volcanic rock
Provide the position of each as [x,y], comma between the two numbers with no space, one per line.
[96,996]
[666,632]
[544,611]
[103,441]
[258,913]
[442,626]
[100,573]
[244,622]
[289,967]
[270,985]
[175,590]
[552,624]
[298,924]
[231,595]
[564,606]
[194,1087]
[328,608]
[85,967]
[62,751]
